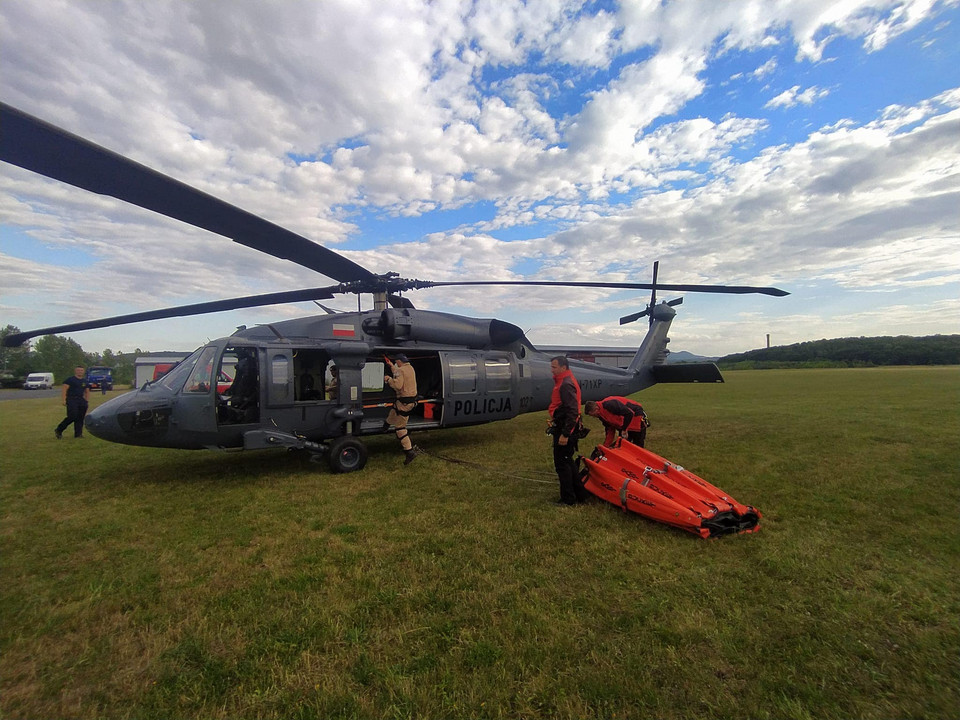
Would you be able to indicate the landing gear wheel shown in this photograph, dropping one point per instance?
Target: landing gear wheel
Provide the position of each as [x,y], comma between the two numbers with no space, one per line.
[347,454]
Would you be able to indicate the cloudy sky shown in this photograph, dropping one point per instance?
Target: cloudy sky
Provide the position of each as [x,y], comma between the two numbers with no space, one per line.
[810,145]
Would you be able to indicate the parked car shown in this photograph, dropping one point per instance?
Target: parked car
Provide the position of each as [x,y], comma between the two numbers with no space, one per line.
[39,381]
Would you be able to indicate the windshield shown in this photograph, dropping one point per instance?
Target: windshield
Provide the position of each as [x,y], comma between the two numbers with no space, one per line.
[174,379]
[200,378]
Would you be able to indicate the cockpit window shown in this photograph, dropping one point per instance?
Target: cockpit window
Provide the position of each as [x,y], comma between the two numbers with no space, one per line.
[201,379]
[174,379]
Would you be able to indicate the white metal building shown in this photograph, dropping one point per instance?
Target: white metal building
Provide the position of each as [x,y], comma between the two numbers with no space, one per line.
[145,365]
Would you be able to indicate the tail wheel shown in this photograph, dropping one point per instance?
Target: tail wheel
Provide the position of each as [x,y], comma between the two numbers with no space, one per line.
[347,454]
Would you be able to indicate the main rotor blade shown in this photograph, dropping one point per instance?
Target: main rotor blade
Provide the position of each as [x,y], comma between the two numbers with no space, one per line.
[36,145]
[732,289]
[327,293]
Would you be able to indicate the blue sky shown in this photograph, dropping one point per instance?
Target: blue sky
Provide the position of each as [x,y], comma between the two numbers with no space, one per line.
[813,146]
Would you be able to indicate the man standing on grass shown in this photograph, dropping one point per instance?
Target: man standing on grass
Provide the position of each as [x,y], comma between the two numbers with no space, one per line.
[564,425]
[76,397]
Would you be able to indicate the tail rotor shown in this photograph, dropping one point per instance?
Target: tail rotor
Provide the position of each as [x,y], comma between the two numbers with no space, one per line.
[648,312]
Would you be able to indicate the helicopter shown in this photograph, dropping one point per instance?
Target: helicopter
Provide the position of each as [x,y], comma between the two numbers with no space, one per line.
[469,370]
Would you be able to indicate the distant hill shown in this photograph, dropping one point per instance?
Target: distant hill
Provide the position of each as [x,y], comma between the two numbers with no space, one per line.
[682,356]
[853,352]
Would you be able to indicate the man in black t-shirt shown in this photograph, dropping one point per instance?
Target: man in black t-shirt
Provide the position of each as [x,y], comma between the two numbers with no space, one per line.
[76,396]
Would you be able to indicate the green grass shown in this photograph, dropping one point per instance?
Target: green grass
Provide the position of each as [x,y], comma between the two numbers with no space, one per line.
[141,583]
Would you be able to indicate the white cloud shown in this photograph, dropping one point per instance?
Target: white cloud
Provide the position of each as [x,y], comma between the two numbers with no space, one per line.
[570,121]
[796,96]
[768,67]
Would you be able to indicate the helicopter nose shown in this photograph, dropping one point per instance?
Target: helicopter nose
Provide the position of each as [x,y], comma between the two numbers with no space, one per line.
[140,417]
[102,421]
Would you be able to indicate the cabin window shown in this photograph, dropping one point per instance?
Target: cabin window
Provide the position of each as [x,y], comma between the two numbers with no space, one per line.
[498,374]
[463,374]
[280,377]
[201,379]
[314,374]
[372,376]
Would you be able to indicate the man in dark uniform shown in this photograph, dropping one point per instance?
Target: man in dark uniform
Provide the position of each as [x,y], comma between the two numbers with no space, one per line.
[76,396]
[564,425]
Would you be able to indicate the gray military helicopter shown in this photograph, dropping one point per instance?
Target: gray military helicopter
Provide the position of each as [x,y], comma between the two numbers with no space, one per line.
[469,370]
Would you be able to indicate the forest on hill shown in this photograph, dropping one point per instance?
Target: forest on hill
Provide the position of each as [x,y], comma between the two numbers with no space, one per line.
[852,352]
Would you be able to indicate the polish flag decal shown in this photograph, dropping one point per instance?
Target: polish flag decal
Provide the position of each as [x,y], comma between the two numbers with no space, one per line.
[342,330]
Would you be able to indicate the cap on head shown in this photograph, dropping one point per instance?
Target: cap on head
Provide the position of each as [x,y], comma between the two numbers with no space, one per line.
[401,357]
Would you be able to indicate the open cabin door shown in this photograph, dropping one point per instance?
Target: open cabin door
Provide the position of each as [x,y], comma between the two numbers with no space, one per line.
[378,397]
[455,388]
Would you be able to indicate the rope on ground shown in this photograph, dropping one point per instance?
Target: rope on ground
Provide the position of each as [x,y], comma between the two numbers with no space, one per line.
[486,468]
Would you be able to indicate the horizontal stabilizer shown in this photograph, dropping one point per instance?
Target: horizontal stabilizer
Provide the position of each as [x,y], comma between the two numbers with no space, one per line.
[686,372]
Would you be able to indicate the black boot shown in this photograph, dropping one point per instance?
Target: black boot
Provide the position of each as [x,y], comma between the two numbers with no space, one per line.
[411,455]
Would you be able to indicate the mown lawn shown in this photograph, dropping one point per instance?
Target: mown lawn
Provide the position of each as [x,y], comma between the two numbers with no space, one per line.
[153,583]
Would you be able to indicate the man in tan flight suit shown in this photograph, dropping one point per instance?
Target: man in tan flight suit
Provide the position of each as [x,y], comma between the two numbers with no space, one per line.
[404,384]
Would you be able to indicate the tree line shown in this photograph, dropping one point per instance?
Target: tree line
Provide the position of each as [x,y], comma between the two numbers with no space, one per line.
[852,352]
[59,355]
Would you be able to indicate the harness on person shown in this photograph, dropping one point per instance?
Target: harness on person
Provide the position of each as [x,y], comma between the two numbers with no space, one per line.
[412,401]
[579,430]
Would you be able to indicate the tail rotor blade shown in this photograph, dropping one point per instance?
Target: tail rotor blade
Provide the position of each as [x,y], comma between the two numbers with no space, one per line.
[653,288]
[634,317]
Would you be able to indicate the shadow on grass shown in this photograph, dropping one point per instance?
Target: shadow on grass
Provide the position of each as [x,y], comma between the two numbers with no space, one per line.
[150,466]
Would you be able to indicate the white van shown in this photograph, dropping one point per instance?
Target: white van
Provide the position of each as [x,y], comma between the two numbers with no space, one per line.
[38,381]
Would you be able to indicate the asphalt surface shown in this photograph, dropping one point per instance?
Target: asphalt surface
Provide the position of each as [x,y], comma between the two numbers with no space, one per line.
[28,394]
[37,394]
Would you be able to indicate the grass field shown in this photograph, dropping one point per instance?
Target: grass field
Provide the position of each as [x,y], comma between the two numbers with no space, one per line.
[142,583]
